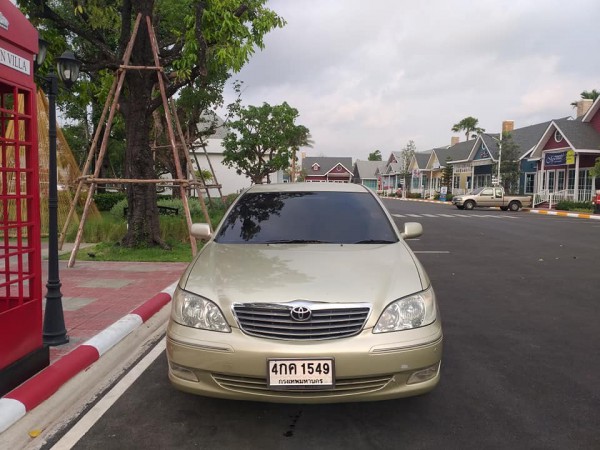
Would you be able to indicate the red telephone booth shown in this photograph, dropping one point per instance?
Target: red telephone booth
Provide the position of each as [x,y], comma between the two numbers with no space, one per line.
[22,353]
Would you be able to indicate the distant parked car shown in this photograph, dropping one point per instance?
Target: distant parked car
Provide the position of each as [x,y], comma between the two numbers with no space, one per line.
[305,293]
[489,197]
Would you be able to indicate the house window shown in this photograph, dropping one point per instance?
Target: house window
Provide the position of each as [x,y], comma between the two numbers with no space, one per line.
[529,183]
[571,180]
[557,136]
[315,167]
[585,180]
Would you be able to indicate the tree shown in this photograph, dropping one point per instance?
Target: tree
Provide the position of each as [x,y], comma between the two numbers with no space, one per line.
[469,125]
[406,155]
[195,38]
[587,95]
[595,171]
[509,164]
[262,139]
[447,173]
[375,156]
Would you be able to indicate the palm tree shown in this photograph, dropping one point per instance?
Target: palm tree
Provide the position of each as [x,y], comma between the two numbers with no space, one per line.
[587,95]
[468,125]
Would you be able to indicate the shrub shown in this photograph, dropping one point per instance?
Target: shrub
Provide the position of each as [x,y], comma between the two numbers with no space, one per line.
[414,195]
[106,200]
[448,197]
[565,205]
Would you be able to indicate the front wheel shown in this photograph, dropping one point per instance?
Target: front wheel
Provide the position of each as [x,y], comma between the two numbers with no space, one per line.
[514,206]
[469,205]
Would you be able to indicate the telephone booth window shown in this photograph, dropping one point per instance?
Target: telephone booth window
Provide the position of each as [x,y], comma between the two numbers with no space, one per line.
[20,285]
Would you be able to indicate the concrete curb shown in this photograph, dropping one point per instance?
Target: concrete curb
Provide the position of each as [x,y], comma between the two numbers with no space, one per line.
[30,394]
[533,211]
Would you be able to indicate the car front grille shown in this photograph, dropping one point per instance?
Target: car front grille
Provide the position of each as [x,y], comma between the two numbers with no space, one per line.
[327,321]
[349,386]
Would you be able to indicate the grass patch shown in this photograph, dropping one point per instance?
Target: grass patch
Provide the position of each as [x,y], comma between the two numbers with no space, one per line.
[110,251]
[111,226]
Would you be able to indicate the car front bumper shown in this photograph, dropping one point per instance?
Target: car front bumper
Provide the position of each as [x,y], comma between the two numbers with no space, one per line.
[367,366]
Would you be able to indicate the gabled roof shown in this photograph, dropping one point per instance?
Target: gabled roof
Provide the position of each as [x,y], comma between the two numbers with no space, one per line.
[422,158]
[367,169]
[393,168]
[458,152]
[577,135]
[527,137]
[594,109]
[325,163]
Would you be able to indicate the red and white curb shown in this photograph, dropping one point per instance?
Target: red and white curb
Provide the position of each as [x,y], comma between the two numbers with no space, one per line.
[24,398]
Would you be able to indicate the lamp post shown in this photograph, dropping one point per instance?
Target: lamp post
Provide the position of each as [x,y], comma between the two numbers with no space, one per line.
[54,331]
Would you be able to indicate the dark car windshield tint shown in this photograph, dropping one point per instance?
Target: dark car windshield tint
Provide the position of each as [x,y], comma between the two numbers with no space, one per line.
[307,217]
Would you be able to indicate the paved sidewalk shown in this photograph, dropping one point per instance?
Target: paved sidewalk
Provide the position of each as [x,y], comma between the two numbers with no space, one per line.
[103,302]
[96,294]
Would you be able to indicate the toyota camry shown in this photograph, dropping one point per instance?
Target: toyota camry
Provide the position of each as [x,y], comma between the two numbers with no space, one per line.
[305,293]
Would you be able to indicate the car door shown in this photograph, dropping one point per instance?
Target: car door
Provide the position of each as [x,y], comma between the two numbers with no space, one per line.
[486,197]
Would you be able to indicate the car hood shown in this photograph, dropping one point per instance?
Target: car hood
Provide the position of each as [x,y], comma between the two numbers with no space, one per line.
[261,273]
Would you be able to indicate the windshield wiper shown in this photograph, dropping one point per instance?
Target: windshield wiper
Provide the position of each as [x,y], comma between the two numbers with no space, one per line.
[375,241]
[297,241]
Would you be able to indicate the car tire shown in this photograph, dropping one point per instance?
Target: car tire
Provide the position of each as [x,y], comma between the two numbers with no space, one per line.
[469,205]
[504,208]
[514,206]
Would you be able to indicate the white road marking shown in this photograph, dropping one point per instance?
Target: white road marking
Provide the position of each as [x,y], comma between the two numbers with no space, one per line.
[432,251]
[93,415]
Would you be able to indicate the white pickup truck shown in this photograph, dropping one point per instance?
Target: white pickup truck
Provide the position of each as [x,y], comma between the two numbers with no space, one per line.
[491,197]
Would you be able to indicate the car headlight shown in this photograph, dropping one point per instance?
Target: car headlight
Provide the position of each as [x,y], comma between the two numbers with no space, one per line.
[194,311]
[414,311]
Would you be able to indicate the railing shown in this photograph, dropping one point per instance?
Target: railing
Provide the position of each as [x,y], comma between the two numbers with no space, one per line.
[552,198]
[540,197]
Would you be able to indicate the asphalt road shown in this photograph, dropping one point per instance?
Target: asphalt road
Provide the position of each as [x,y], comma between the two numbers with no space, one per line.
[519,295]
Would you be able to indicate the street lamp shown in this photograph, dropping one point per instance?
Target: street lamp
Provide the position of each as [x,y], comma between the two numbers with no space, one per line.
[54,331]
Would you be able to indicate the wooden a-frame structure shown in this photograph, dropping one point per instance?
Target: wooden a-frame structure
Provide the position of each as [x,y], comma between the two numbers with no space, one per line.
[170,114]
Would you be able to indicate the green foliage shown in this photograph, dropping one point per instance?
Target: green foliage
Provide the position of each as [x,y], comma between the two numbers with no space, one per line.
[406,155]
[447,173]
[105,201]
[375,156]
[509,164]
[216,210]
[595,172]
[413,195]
[587,95]
[448,197]
[262,139]
[469,125]
[574,206]
[111,251]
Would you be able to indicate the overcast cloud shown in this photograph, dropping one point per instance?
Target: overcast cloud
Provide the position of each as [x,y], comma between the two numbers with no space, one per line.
[374,75]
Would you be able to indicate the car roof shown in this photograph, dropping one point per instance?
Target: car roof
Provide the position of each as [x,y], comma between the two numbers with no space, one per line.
[307,187]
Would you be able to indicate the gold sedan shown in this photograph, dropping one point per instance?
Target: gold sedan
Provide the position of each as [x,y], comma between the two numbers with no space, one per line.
[305,293]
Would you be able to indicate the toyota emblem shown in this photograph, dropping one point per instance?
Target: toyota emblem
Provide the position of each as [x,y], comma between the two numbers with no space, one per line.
[300,313]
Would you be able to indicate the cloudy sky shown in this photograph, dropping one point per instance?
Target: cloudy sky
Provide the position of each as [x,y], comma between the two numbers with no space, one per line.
[374,75]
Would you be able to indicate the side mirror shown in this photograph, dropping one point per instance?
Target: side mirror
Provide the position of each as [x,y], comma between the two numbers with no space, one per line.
[412,230]
[201,231]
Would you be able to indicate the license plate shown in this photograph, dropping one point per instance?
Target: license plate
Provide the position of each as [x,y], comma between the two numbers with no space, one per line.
[300,373]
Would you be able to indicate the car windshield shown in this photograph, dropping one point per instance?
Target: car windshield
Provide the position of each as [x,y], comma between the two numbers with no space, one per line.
[476,191]
[307,217]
